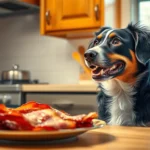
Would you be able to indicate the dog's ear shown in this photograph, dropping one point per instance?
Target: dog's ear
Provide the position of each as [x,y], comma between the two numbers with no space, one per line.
[141,34]
[101,30]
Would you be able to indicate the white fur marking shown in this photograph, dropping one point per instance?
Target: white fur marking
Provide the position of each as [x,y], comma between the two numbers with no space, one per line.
[104,31]
[86,63]
[96,49]
[106,36]
[121,104]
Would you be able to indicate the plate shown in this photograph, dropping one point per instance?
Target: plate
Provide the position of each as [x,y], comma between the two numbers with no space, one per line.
[42,135]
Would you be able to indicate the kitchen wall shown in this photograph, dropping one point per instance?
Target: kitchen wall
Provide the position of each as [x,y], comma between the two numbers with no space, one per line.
[47,58]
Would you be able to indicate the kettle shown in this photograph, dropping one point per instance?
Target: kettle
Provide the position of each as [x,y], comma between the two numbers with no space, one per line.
[15,74]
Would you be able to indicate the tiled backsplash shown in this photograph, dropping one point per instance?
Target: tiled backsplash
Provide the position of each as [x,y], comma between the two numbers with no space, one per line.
[48,59]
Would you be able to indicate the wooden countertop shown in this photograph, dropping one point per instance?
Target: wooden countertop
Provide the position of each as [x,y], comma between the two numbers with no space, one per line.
[107,138]
[59,88]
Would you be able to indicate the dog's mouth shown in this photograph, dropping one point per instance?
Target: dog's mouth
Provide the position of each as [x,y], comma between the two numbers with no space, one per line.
[100,73]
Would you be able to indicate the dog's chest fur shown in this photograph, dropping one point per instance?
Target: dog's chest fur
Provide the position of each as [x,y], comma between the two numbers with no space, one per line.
[119,101]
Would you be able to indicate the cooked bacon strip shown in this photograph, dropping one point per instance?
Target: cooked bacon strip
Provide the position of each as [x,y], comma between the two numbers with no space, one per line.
[10,119]
[49,118]
[82,120]
[32,106]
[36,116]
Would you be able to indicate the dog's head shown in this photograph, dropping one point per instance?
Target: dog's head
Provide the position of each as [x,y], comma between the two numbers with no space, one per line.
[119,53]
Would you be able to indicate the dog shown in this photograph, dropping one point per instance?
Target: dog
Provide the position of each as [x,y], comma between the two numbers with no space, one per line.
[120,64]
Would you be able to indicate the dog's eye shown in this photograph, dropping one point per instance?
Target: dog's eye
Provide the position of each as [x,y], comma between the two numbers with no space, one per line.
[96,42]
[116,42]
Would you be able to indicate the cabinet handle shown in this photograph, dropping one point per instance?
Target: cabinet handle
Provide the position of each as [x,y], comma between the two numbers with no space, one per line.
[48,17]
[97,12]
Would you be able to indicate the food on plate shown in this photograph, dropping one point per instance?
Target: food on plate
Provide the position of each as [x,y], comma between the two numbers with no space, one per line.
[97,122]
[36,117]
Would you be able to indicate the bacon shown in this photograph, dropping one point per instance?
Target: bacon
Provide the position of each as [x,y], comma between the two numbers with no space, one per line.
[35,117]
[32,106]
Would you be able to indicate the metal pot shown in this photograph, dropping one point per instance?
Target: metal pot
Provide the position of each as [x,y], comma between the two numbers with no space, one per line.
[15,74]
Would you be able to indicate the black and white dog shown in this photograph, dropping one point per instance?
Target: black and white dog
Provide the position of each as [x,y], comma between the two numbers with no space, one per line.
[120,63]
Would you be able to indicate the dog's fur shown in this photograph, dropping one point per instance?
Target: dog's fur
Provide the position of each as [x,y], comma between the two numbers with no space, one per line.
[124,99]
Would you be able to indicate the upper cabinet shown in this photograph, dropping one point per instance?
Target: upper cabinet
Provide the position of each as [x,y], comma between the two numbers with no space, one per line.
[71,18]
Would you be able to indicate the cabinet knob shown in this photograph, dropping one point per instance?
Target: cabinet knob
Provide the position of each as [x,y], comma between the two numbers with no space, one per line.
[97,12]
[7,99]
[48,17]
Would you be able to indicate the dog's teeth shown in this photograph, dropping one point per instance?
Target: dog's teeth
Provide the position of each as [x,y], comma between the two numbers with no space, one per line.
[102,72]
[106,71]
[113,67]
[95,68]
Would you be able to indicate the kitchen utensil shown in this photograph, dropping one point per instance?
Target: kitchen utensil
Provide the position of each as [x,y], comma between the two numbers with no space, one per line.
[15,74]
[81,50]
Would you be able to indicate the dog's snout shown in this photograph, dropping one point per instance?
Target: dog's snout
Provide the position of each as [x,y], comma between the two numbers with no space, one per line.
[90,55]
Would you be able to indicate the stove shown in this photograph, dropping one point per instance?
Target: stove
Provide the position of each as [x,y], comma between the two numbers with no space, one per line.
[11,94]
[10,87]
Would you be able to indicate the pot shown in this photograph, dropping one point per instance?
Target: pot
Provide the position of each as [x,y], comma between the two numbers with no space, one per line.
[15,74]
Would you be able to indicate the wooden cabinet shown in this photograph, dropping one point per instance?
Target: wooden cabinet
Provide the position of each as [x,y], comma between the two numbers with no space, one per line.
[71,18]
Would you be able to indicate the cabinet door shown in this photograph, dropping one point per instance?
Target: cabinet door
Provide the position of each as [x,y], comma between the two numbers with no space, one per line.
[73,14]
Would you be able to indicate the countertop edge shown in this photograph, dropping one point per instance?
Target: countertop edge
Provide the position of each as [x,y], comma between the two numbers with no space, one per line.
[59,88]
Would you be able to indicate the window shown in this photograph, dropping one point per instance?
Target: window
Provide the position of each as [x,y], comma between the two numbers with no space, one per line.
[144,12]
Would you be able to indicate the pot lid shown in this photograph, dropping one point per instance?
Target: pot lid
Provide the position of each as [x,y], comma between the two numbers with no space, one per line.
[15,67]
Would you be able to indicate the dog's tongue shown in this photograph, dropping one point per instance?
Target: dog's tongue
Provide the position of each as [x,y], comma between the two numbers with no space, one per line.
[96,70]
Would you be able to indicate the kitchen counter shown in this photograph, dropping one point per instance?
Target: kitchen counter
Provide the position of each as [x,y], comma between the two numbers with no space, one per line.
[59,88]
[106,138]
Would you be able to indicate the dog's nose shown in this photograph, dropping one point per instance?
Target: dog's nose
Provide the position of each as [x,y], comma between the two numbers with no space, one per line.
[90,55]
